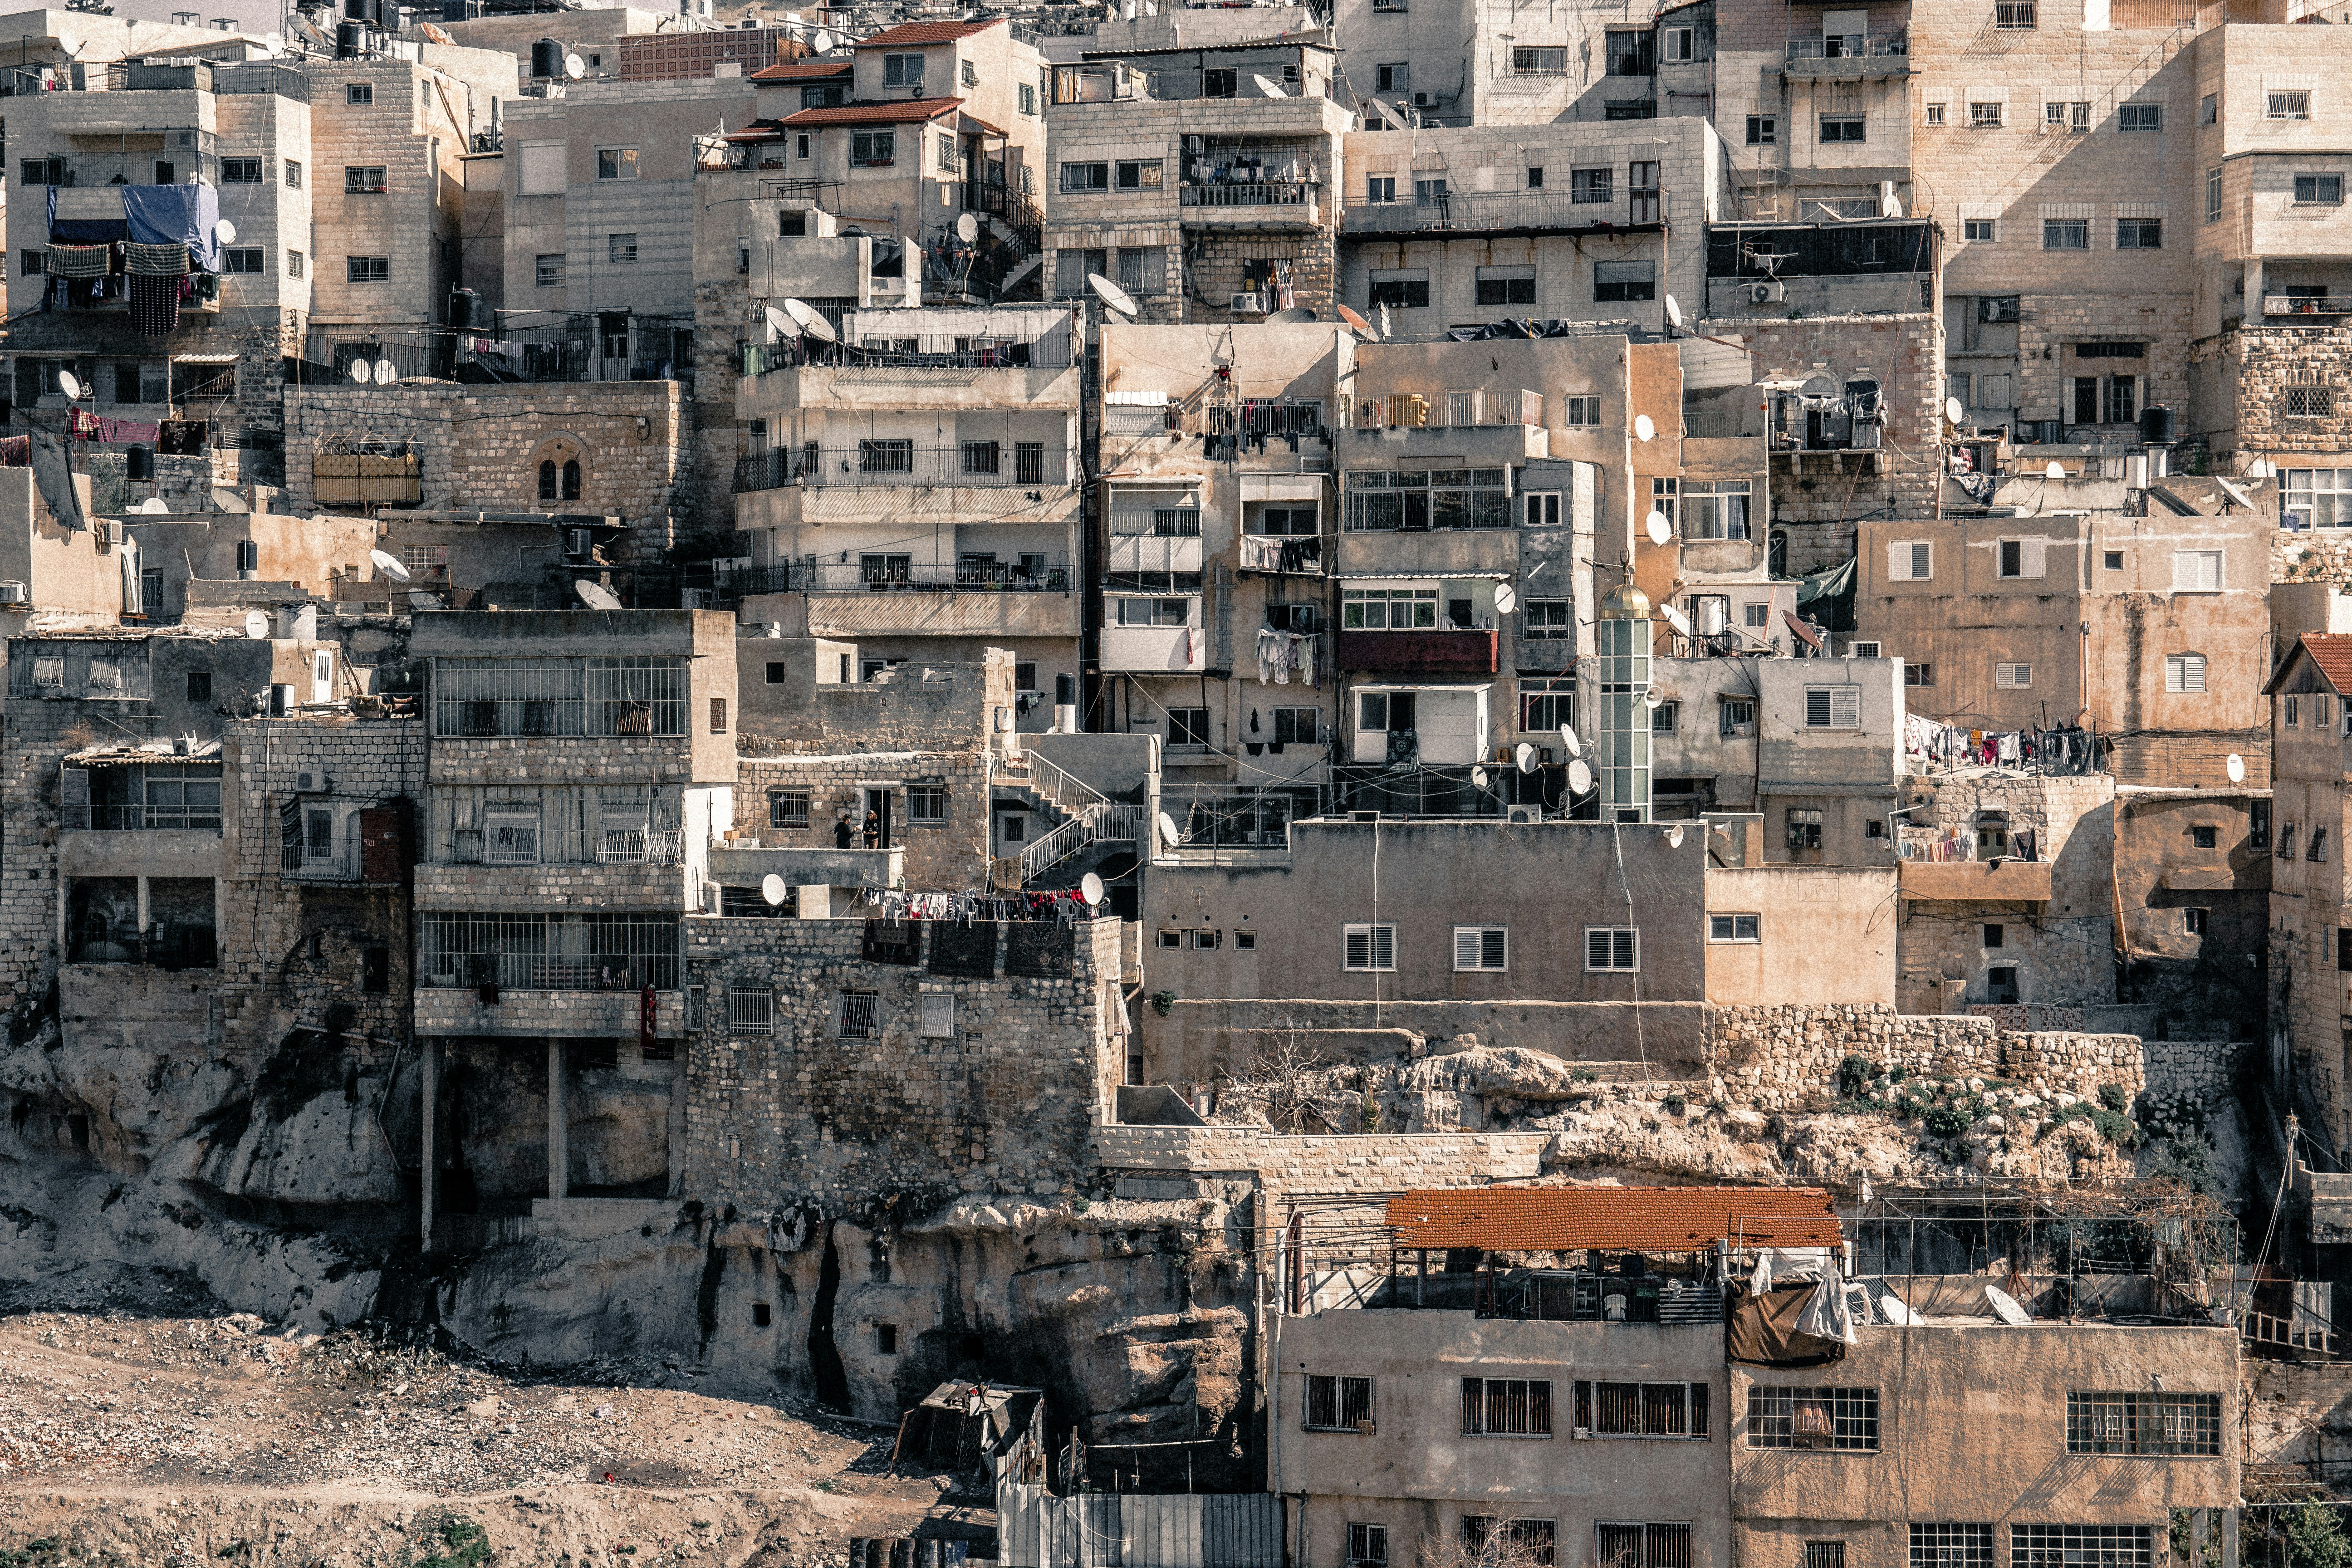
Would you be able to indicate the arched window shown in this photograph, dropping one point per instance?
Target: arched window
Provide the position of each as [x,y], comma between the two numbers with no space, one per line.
[547,480]
[571,479]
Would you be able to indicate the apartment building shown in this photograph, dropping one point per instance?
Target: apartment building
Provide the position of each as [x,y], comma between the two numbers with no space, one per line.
[1480,63]
[2310,931]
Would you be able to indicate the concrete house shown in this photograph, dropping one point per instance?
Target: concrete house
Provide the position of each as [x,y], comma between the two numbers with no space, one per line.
[2310,933]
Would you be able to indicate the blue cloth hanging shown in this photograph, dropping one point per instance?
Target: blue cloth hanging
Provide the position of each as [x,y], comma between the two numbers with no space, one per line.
[161,214]
[82,230]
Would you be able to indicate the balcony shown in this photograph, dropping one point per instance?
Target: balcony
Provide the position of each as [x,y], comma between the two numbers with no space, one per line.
[1155,552]
[1154,651]
[1813,59]
[1417,652]
[1258,204]
[1472,214]
[740,865]
[2307,305]
[1479,446]
[900,464]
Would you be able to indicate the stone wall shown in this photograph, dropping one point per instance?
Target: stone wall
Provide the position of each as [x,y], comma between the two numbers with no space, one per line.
[2263,362]
[1141,1162]
[966,1084]
[942,857]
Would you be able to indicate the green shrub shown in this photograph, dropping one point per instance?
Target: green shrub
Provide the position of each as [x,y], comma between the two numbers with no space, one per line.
[1853,1077]
[1944,1121]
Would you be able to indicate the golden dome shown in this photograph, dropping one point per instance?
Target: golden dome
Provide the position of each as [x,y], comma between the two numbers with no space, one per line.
[1624,603]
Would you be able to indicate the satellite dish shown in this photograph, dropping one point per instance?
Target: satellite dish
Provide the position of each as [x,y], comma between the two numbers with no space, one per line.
[1361,328]
[69,384]
[805,316]
[1293,316]
[1677,619]
[226,232]
[595,595]
[2236,767]
[386,373]
[154,506]
[2056,470]
[362,372]
[966,228]
[1111,294]
[1567,738]
[824,41]
[1266,88]
[779,324]
[1643,427]
[418,599]
[1674,837]
[2004,1307]
[1090,888]
[1952,409]
[1580,777]
[1167,830]
[1506,599]
[388,566]
[574,66]
[257,626]
[1525,757]
[1477,778]
[772,888]
[1658,527]
[1673,311]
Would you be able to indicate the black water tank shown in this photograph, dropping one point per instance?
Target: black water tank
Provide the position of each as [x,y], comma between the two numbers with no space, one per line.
[2155,425]
[547,59]
[461,308]
[349,41]
[139,463]
[1066,690]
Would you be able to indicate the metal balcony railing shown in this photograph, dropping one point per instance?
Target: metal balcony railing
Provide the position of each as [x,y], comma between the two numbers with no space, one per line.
[2306,304]
[1871,48]
[872,465]
[1482,210]
[905,353]
[1256,193]
[640,846]
[964,576]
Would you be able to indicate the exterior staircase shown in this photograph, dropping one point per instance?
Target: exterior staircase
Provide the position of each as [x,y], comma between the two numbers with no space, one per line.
[1088,818]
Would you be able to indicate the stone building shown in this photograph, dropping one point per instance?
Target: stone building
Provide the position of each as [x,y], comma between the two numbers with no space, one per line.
[2310,935]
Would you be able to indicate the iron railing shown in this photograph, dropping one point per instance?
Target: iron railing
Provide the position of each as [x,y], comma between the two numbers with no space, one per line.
[907,353]
[1480,210]
[883,464]
[1252,194]
[2306,305]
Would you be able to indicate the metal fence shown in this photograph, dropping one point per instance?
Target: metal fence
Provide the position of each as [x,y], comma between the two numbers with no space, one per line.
[633,694]
[551,952]
[886,464]
[1139,1530]
[1251,194]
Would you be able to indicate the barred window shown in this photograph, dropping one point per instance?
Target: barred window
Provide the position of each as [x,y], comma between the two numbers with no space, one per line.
[1338,1405]
[2080,1546]
[1367,1544]
[788,808]
[859,1016]
[751,1010]
[1505,1407]
[2176,1424]
[1532,1541]
[1841,1418]
[1641,1409]
[1624,1545]
[551,952]
[636,694]
[1951,1546]
[1825,1554]
[926,804]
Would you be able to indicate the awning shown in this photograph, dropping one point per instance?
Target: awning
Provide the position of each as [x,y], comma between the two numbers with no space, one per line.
[1135,399]
[1282,486]
[1407,578]
[204,359]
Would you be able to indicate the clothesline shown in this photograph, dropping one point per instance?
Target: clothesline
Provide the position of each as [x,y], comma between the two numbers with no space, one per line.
[1066,906]
[2068,749]
[1280,653]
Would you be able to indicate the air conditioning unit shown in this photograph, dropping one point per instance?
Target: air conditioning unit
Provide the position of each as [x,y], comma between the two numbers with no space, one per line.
[1767,293]
[1526,815]
[14,595]
[1249,304]
[107,533]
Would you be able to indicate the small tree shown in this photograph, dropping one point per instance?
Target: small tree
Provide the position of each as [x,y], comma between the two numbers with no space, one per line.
[1292,1077]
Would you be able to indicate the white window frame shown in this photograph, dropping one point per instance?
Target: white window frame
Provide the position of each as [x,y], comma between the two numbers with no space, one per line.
[2197,570]
[1375,939]
[1735,928]
[2184,674]
[1904,557]
[1612,932]
[858,1015]
[1475,945]
[1838,707]
[2013,677]
[751,1010]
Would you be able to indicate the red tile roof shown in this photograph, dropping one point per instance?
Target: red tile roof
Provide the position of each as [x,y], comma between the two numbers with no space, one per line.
[815,70]
[1631,1219]
[904,111]
[927,32]
[2331,652]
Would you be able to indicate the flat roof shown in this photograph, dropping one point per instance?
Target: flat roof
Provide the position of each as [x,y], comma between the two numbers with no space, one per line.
[1631,1219]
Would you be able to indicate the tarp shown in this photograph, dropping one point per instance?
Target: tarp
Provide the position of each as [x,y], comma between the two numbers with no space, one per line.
[1485,330]
[1826,598]
[161,214]
[1763,1332]
[83,230]
[54,478]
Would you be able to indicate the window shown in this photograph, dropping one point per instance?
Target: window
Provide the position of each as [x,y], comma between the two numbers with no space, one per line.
[1220,82]
[1757,615]
[2258,825]
[1171,939]
[1641,1409]
[1736,716]
[1680,45]
[2196,571]
[1825,1554]
[2319,850]
[1539,62]
[2212,196]
[1085,177]
[1393,77]
[2184,672]
[1592,184]
[621,250]
[2140,116]
[293,173]
[1368,1546]
[2013,14]
[1632,53]
[200,686]
[719,715]
[1734,927]
[1631,1546]
[2139,233]
[1981,228]
[1839,1419]
[2310,402]
[1388,609]
[1401,290]
[1910,560]
[1844,126]
[1139,174]
[2319,190]
[367,268]
[1664,717]
[1985,116]
[1505,1407]
[1763,130]
[860,1016]
[751,1010]
[2065,233]
[2288,106]
[549,272]
[2321,497]
[1379,189]
[1535,178]
[1715,508]
[1297,727]
[1429,191]
[1188,726]
[1338,1405]
[1547,703]
[240,170]
[1833,707]
[358,93]
[1951,1546]
[510,837]
[32,263]
[2286,841]
[1623,281]
[364,179]
[1507,285]
[1993,935]
[1803,828]
[246,258]
[1370,947]
[902,70]
[2192,922]
[293,264]
[617,162]
[1244,942]
[1612,948]
[1481,947]
[872,149]
[2013,677]
[804,146]
[788,808]
[2080,1546]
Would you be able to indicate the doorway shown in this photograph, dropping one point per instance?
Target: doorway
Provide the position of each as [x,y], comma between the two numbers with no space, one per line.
[877,818]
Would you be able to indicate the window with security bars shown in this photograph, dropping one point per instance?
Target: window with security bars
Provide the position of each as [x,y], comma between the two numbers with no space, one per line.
[926,804]
[2310,402]
[1839,1419]
[551,952]
[1624,1545]
[1505,1407]
[1491,1543]
[1825,1554]
[1951,1546]
[1612,947]
[1338,1405]
[788,808]
[2121,1423]
[628,695]
[2081,1546]
[860,1015]
[1641,1409]
[1368,1546]
[1481,947]
[751,1010]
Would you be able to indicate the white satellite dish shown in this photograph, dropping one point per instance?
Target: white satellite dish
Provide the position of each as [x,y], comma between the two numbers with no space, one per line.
[1580,777]
[69,384]
[1267,88]
[2004,1307]
[418,599]
[1952,409]
[226,232]
[824,41]
[1568,739]
[1644,427]
[154,506]
[1111,294]
[779,324]
[1090,888]
[1677,619]
[1506,598]
[805,316]
[966,228]
[1167,830]
[1524,758]
[362,372]
[386,373]
[257,626]
[1658,527]
[772,888]
[595,595]
[2056,470]
[1477,778]
[1673,311]
[388,566]
[1674,837]
[574,66]
[2236,768]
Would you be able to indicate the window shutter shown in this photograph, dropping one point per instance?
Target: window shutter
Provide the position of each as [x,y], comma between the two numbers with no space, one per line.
[1845,706]
[1539,1406]
[1359,948]
[1698,1398]
[1596,949]
[1384,947]
[1923,561]
[1465,947]
[1622,944]
[2034,559]
[1473,1406]
[73,796]
[1493,948]
[1817,707]
[1584,1392]
[1898,563]
[2013,677]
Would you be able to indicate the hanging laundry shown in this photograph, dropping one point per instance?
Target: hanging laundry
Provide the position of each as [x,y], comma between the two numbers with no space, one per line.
[183,438]
[80,260]
[1261,553]
[15,452]
[146,260]
[156,305]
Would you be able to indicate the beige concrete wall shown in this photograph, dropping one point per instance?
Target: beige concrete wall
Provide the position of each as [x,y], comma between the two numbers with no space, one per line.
[1822,932]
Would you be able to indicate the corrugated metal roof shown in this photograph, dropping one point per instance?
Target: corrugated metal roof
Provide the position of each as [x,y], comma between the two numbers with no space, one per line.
[1631,1219]
[926,33]
[905,111]
[807,70]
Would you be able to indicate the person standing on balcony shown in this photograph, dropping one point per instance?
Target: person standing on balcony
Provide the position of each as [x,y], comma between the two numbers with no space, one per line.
[843,836]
